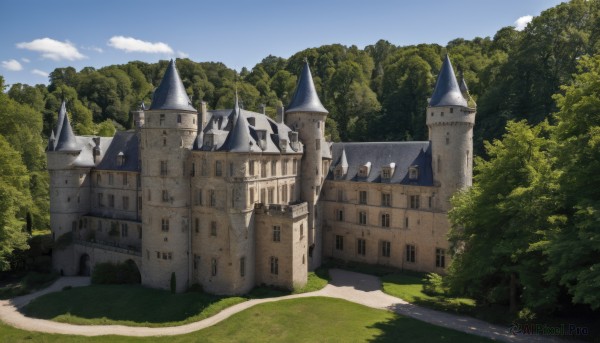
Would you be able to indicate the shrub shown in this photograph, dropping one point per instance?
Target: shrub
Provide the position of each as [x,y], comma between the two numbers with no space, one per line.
[173,283]
[119,273]
[433,284]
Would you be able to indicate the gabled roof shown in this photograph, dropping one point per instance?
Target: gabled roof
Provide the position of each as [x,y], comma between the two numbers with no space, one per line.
[66,140]
[305,98]
[171,94]
[447,91]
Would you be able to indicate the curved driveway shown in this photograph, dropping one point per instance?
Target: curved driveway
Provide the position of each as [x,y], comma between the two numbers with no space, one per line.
[358,288]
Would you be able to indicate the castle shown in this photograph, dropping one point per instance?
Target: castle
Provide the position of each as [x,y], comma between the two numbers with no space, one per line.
[231,199]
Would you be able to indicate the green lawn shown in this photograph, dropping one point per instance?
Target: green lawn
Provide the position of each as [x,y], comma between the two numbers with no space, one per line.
[25,283]
[299,320]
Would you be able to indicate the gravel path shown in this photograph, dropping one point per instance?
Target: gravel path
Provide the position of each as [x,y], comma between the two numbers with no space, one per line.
[358,288]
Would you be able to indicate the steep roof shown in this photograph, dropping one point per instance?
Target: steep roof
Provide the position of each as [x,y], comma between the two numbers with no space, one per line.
[463,86]
[305,98]
[62,113]
[125,142]
[380,154]
[66,140]
[447,91]
[239,139]
[171,94]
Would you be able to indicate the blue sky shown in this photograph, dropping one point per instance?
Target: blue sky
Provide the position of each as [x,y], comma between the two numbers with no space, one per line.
[38,36]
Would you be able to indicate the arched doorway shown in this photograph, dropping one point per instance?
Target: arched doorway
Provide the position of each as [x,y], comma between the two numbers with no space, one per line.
[133,272]
[84,265]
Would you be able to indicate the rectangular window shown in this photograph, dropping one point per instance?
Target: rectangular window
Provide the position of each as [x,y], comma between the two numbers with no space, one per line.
[406,222]
[271,196]
[139,203]
[213,267]
[242,266]
[414,201]
[213,198]
[284,194]
[165,195]
[339,242]
[386,173]
[339,215]
[218,168]
[273,168]
[98,179]
[276,233]
[362,218]
[231,169]
[440,258]
[361,247]
[386,248]
[274,265]
[362,197]
[100,200]
[138,180]
[124,179]
[164,169]
[385,220]
[251,168]
[295,166]
[410,253]
[165,225]
[199,197]
[111,200]
[284,164]
[430,201]
[111,179]
[213,228]
[263,169]
[386,199]
[124,230]
[162,119]
[197,225]
[292,193]
[125,203]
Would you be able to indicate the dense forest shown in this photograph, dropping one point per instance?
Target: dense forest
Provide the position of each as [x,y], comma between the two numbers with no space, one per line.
[527,182]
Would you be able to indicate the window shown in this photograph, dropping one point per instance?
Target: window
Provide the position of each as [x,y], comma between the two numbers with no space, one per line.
[111,179]
[339,215]
[414,201]
[213,228]
[124,230]
[430,201]
[111,200]
[242,266]
[339,242]
[197,225]
[263,169]
[230,169]
[361,247]
[139,203]
[213,267]
[199,197]
[317,144]
[386,173]
[284,194]
[218,168]
[292,192]
[162,119]
[386,199]
[301,230]
[213,198]
[165,195]
[124,179]
[440,258]
[274,265]
[295,166]
[138,180]
[273,168]
[165,225]
[251,167]
[406,222]
[163,168]
[125,203]
[413,173]
[271,196]
[276,233]
[451,110]
[410,253]
[284,164]
[362,218]
[100,200]
[385,220]
[386,248]
[179,119]
[98,179]
[340,195]
[362,197]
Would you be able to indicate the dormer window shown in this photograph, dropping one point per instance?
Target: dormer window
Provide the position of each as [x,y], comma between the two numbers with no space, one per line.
[120,159]
[364,170]
[283,143]
[413,173]
[293,135]
[262,138]
[387,171]
[209,140]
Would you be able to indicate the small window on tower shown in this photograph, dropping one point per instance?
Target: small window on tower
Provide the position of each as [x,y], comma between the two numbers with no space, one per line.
[179,119]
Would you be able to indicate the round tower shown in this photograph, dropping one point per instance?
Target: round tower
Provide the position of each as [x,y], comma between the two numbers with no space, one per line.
[307,115]
[66,206]
[167,136]
[450,121]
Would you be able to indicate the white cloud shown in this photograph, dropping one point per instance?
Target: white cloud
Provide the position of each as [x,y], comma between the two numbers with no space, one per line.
[93,48]
[26,60]
[53,49]
[522,22]
[130,44]
[12,65]
[39,72]
[182,54]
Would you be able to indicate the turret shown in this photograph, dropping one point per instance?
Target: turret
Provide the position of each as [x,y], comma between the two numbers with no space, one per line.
[306,114]
[166,139]
[450,121]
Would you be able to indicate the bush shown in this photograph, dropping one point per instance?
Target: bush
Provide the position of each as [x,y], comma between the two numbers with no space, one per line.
[433,284]
[119,273]
[173,283]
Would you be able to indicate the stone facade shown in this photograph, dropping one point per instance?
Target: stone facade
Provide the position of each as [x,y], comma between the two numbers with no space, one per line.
[231,199]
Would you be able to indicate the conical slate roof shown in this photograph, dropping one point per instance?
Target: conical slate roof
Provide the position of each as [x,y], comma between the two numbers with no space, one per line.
[62,113]
[66,141]
[239,138]
[305,98]
[170,94]
[447,91]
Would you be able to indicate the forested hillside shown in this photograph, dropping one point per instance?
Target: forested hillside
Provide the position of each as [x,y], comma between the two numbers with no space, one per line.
[378,93]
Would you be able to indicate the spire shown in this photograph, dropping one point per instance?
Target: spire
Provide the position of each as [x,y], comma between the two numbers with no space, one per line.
[447,91]
[66,140]
[236,106]
[170,94]
[239,138]
[51,141]
[62,113]
[343,159]
[305,98]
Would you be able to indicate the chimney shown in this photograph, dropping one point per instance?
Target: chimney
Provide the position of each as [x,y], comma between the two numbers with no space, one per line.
[262,108]
[280,114]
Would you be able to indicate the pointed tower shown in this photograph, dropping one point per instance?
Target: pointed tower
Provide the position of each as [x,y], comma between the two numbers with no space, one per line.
[307,115]
[450,121]
[66,190]
[166,138]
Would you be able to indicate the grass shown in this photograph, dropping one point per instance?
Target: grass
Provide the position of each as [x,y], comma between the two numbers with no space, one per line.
[131,305]
[312,319]
[316,281]
[25,283]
